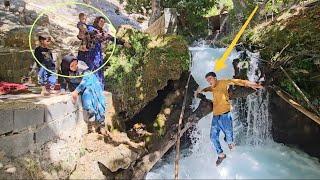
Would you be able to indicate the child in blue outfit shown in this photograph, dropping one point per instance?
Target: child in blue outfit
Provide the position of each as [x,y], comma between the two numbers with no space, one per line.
[44,56]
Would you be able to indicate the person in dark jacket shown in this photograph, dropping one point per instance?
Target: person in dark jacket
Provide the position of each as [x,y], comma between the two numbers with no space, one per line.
[44,56]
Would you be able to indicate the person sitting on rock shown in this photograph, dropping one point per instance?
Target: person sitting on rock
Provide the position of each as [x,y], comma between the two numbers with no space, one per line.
[44,56]
[88,87]
[222,120]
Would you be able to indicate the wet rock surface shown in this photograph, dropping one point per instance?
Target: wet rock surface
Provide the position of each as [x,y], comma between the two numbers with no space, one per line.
[291,127]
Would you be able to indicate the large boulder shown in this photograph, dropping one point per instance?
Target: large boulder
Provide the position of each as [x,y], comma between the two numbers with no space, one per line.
[136,74]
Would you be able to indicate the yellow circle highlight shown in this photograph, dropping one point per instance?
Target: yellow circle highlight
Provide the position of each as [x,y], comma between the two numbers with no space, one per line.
[53,7]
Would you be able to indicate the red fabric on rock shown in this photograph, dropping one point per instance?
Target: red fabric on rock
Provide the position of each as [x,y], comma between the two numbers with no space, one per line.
[12,88]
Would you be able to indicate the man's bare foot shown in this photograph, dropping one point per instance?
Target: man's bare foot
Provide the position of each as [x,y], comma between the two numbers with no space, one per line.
[231,146]
[54,91]
[44,92]
[62,92]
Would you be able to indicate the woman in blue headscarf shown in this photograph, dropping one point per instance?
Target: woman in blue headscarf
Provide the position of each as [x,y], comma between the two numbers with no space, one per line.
[88,87]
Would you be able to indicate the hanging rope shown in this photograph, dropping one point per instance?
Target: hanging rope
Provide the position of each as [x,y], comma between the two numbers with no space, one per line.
[176,164]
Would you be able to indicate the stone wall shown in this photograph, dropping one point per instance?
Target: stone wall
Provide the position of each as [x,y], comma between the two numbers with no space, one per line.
[14,65]
[28,124]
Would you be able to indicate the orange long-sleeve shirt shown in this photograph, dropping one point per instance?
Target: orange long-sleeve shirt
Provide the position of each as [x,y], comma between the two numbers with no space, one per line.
[220,93]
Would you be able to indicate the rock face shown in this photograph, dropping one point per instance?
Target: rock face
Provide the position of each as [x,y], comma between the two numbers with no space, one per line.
[290,126]
[103,159]
[137,73]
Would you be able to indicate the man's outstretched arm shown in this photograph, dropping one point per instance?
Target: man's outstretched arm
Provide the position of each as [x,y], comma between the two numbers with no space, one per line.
[207,89]
[245,83]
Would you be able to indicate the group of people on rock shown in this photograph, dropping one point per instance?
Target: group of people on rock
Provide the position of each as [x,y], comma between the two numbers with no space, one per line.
[77,72]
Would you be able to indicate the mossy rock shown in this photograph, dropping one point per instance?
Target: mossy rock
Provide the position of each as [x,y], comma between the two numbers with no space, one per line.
[18,38]
[300,29]
[136,74]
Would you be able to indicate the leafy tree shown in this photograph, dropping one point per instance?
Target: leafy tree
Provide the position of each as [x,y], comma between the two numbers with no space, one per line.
[192,12]
[138,6]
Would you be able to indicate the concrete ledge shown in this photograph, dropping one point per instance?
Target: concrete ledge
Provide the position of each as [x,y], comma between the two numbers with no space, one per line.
[58,107]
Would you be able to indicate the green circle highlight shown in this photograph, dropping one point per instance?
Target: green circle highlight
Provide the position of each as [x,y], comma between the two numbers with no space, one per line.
[53,7]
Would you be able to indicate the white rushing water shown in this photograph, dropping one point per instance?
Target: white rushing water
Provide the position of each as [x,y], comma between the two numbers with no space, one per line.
[256,154]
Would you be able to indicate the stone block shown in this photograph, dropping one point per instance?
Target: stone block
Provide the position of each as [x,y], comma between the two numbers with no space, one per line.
[26,118]
[59,110]
[17,144]
[46,133]
[57,128]
[6,121]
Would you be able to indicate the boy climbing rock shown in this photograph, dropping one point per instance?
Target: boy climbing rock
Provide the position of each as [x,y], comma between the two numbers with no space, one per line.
[44,56]
[222,120]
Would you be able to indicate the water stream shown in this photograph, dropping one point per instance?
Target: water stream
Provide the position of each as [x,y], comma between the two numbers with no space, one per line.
[256,154]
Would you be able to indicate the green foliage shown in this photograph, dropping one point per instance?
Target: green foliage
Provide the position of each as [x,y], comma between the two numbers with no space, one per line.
[192,14]
[138,6]
[130,60]
[302,32]
[221,4]
[159,124]
[125,60]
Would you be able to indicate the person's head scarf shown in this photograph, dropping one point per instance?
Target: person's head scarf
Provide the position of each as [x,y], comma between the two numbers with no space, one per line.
[65,64]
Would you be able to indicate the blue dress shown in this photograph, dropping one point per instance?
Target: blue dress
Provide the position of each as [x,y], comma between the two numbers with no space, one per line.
[95,55]
[92,97]
[90,90]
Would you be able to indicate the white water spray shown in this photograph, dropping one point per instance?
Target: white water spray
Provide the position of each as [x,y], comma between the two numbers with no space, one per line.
[256,156]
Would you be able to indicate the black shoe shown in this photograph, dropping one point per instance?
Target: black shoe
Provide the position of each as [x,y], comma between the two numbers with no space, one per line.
[91,117]
[220,159]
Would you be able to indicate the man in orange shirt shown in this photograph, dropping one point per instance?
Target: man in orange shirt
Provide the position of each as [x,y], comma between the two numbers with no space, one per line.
[222,120]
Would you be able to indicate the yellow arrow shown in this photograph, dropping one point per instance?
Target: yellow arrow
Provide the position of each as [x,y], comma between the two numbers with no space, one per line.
[220,63]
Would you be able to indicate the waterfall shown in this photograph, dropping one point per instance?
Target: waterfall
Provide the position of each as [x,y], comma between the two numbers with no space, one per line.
[254,126]
[256,155]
